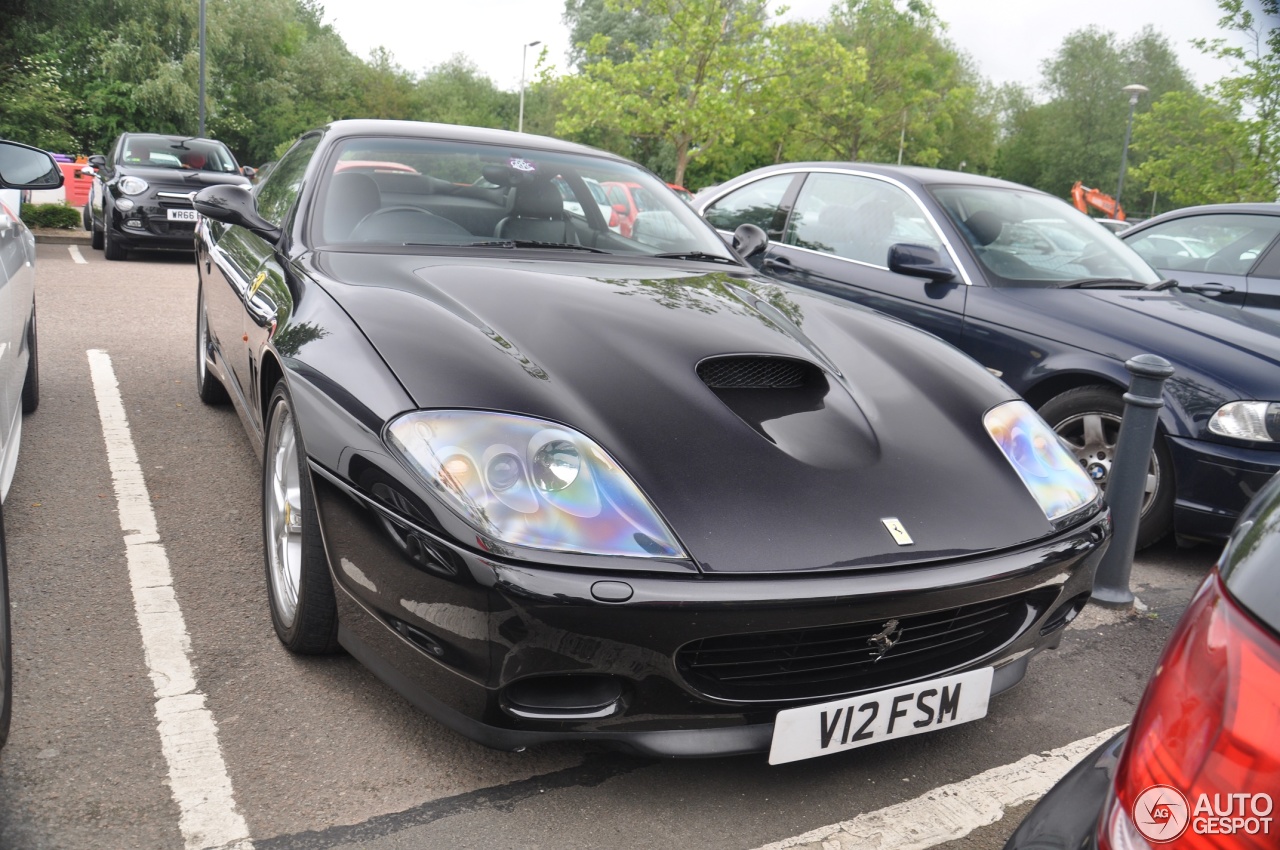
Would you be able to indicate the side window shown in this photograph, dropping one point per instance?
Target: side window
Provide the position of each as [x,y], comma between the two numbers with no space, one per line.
[857,218]
[756,203]
[277,193]
[1227,244]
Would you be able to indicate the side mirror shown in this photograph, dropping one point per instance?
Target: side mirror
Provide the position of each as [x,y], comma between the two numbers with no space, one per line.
[235,205]
[249,171]
[25,167]
[750,240]
[621,209]
[920,261]
[97,161]
[88,171]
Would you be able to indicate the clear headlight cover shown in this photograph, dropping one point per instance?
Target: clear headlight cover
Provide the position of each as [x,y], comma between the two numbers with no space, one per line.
[1247,420]
[132,185]
[532,483]
[1050,472]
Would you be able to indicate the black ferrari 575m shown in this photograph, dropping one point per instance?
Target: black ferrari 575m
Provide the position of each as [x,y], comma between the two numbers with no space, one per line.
[552,482]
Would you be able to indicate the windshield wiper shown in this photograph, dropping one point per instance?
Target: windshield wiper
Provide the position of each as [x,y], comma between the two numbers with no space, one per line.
[1159,285]
[1101,283]
[525,243]
[696,255]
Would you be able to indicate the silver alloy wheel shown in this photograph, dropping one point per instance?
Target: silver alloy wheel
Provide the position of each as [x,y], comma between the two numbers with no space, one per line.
[283,511]
[1092,437]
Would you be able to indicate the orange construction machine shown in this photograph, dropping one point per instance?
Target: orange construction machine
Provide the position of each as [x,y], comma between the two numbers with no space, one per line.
[1084,197]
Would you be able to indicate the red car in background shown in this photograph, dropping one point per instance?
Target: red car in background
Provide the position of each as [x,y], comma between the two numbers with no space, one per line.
[685,194]
[629,200]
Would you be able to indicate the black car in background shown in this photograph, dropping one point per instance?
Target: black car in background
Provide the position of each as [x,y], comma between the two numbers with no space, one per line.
[1227,252]
[1200,764]
[551,482]
[141,197]
[1046,299]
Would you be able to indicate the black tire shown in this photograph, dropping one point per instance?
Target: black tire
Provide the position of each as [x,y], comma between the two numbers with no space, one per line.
[95,233]
[208,387]
[1070,414]
[312,628]
[86,216]
[6,651]
[111,248]
[31,384]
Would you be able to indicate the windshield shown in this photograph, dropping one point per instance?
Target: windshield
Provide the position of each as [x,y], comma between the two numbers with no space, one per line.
[1025,238]
[468,195]
[178,153]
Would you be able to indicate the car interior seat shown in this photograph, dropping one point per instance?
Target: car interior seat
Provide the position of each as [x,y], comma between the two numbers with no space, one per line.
[984,227]
[537,214]
[352,196]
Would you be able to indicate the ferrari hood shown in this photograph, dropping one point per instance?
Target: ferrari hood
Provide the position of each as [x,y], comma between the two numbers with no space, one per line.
[754,482]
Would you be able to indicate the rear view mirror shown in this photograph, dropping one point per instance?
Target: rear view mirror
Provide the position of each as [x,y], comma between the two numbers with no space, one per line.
[920,261]
[24,167]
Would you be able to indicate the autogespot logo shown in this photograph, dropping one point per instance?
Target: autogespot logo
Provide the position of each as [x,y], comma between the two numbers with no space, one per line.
[1161,813]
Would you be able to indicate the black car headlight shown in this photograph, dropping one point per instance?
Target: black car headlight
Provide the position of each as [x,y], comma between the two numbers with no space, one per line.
[531,483]
[1247,420]
[132,185]
[1050,472]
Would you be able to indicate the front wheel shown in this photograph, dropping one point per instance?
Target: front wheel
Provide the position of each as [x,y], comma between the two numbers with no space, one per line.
[303,609]
[1088,419]
[111,247]
[209,388]
[31,385]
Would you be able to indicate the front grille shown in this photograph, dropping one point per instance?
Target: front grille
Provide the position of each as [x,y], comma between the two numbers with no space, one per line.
[831,661]
[754,373]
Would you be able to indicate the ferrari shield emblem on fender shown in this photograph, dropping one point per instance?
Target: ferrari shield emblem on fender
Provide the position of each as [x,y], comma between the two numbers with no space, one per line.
[898,530]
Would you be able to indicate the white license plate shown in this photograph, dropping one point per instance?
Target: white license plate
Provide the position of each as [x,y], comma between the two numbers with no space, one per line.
[844,724]
[182,215]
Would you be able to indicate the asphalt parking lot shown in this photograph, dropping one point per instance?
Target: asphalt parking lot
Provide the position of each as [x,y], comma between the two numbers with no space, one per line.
[317,753]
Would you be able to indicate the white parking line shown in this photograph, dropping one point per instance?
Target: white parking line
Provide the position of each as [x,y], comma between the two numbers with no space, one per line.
[188,734]
[76,255]
[951,811]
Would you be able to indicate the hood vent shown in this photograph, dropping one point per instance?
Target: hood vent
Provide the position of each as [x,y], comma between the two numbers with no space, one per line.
[758,373]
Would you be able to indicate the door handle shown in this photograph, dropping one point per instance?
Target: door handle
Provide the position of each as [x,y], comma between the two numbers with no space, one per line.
[779,263]
[1213,289]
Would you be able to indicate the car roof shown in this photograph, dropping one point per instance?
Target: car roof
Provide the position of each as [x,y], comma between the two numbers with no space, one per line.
[916,175]
[454,132]
[174,138]
[1203,209]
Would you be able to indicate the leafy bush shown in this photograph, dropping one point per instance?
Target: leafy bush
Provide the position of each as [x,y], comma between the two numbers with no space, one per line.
[58,216]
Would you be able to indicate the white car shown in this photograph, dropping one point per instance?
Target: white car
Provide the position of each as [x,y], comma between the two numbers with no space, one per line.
[21,167]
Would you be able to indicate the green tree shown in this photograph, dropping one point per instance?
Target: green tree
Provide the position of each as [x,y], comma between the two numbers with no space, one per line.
[1224,146]
[916,93]
[1079,133]
[691,88]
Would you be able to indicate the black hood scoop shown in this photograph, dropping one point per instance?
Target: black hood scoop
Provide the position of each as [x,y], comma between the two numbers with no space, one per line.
[758,373]
[791,404]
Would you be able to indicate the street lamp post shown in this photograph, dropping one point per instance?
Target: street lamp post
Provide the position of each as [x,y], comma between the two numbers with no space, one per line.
[1135,91]
[524,57]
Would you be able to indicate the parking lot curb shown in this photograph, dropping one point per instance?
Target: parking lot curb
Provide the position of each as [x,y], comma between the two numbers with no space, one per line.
[61,237]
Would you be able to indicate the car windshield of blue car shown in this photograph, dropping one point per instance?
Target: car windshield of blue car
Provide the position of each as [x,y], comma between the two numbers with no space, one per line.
[380,193]
[179,154]
[1025,238]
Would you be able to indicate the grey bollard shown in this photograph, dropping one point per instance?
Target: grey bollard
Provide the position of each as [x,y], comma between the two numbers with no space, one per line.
[1128,477]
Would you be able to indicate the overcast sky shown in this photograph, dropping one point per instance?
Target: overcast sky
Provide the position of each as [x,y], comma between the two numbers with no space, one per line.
[1008,38]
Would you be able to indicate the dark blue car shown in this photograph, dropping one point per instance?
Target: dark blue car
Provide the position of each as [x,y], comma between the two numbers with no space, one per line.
[1045,299]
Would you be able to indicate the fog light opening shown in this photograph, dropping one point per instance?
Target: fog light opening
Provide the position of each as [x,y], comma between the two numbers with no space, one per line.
[569,697]
[1065,613]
